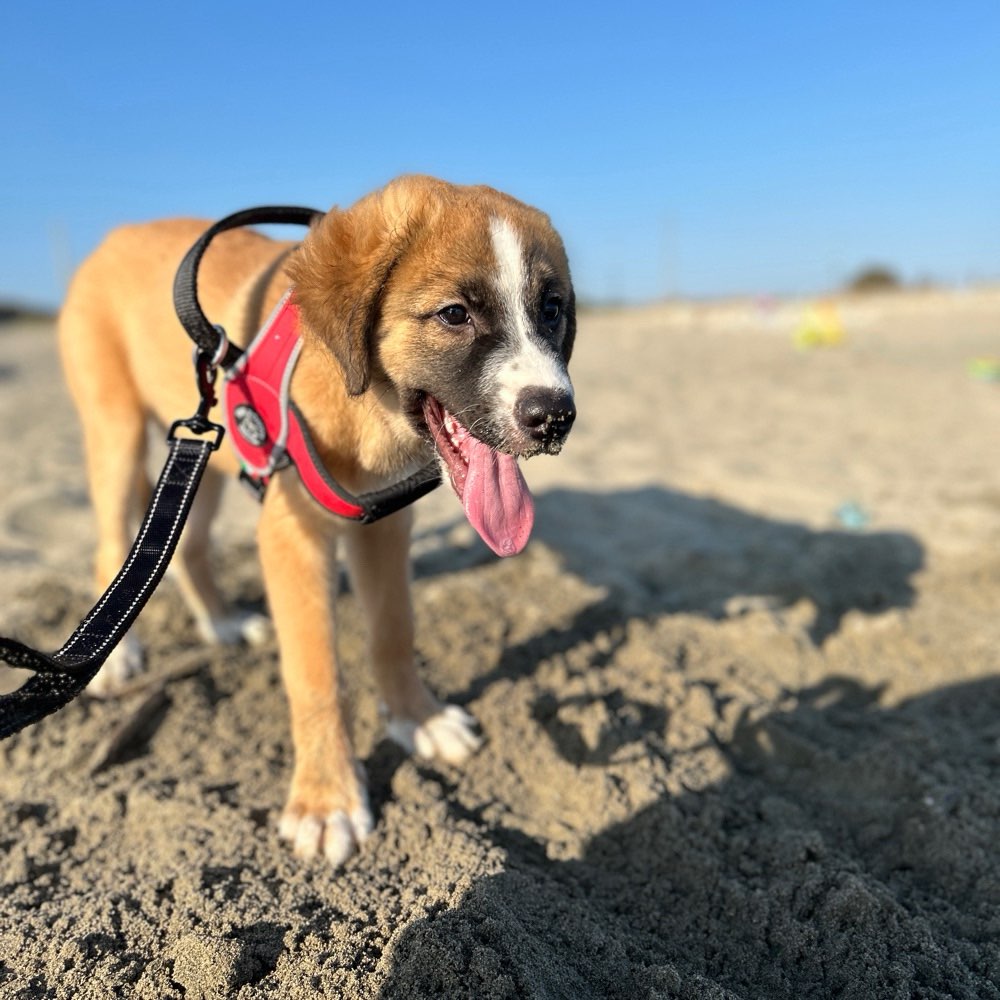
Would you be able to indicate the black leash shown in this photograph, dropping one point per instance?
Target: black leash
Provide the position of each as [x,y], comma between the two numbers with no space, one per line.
[59,677]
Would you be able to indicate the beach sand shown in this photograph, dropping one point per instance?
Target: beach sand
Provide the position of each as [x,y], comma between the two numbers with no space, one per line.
[741,698]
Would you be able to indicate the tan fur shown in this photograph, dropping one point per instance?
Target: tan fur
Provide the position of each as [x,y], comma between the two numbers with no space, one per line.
[360,277]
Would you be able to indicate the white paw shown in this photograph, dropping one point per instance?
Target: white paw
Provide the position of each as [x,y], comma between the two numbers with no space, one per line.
[123,665]
[335,836]
[241,626]
[449,735]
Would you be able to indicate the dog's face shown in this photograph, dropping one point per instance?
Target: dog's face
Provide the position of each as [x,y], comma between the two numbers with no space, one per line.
[458,302]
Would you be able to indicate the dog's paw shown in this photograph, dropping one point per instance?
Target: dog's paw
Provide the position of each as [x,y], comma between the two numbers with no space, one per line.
[124,664]
[241,626]
[334,834]
[449,735]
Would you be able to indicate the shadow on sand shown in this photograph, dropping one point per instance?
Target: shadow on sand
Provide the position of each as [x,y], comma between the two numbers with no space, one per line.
[655,551]
[850,853]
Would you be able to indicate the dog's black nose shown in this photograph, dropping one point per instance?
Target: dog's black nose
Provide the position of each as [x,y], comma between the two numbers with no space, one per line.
[546,414]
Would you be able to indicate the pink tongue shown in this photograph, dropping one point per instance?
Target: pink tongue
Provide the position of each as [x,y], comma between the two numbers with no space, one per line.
[496,499]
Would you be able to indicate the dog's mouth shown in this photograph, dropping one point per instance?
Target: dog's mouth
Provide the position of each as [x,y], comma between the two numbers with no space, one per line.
[488,482]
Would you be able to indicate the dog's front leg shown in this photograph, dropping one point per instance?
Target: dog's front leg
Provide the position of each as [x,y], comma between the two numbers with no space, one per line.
[327,811]
[378,557]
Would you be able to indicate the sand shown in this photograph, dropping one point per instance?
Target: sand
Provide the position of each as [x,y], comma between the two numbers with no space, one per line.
[741,698]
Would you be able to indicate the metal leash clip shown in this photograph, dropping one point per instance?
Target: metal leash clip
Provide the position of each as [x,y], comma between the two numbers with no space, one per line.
[206,368]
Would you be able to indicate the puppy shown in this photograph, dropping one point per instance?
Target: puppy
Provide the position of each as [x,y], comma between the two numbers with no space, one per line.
[437,320]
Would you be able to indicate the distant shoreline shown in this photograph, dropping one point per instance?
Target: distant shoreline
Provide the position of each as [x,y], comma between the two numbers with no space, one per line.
[17,312]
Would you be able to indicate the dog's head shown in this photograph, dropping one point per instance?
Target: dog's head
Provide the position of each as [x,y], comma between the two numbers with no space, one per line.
[458,302]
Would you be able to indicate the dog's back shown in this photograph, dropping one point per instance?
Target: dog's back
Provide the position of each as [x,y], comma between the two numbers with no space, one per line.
[123,349]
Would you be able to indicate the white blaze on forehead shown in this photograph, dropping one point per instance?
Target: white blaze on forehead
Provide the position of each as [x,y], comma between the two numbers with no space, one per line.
[526,363]
[512,275]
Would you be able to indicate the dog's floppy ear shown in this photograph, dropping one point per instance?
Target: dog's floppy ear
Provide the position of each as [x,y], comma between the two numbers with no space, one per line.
[339,275]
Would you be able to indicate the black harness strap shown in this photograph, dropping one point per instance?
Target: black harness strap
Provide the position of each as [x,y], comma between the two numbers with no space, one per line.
[206,336]
[376,504]
[61,676]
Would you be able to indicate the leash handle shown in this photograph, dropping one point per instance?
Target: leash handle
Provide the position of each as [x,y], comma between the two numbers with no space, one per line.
[208,338]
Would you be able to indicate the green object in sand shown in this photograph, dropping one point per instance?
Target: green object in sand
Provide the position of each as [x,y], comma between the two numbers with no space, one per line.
[985,369]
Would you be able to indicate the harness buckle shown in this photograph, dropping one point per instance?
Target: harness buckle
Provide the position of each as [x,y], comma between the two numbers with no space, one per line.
[257,485]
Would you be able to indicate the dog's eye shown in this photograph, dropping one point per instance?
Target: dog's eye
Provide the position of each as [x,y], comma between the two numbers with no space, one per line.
[454,315]
[551,310]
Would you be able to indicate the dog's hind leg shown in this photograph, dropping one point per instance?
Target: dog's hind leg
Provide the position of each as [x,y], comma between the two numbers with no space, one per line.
[378,557]
[114,434]
[192,569]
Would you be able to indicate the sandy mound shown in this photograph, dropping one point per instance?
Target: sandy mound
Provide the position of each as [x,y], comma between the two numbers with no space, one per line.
[740,694]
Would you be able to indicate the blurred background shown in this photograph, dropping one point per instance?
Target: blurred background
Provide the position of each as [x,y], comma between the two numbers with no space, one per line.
[682,150]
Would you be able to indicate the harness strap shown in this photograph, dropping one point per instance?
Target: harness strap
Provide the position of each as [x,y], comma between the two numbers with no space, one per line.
[208,338]
[61,676]
[366,508]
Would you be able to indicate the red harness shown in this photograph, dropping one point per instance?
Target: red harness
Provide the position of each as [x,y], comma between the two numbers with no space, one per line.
[268,431]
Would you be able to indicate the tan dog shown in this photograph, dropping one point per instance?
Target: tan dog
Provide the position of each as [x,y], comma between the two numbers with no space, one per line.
[435,319]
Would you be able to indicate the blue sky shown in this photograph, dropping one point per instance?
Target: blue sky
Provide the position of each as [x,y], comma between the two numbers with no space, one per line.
[694,149]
